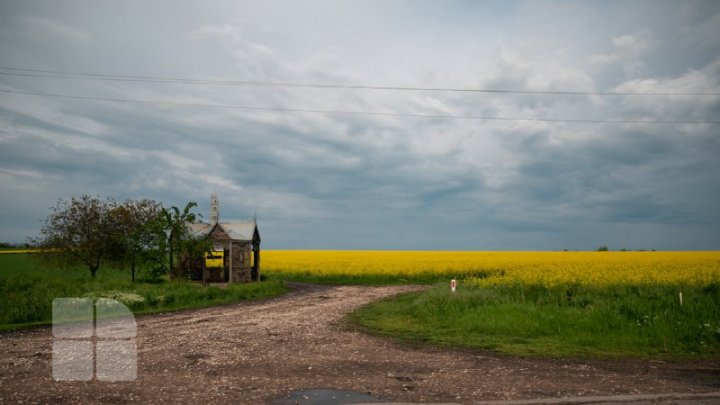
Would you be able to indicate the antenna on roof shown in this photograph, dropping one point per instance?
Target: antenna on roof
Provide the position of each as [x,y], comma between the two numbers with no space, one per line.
[214,209]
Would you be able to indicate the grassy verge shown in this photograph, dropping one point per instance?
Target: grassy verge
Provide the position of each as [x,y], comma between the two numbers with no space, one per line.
[28,289]
[567,320]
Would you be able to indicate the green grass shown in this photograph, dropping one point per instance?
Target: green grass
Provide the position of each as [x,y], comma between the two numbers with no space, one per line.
[27,290]
[570,320]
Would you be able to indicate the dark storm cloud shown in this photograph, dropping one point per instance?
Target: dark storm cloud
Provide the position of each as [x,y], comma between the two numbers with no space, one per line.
[359,181]
[627,176]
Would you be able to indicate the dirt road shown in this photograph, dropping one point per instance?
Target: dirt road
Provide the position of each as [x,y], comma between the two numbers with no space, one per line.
[254,352]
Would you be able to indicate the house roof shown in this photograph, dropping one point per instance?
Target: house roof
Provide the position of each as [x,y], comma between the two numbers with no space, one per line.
[236,230]
[198,229]
[239,230]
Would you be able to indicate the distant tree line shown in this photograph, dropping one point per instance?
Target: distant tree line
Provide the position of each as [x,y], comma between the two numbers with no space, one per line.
[5,245]
[93,232]
[606,249]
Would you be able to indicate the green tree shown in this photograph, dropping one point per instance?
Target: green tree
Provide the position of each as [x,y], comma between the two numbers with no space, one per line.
[181,247]
[79,231]
[136,235]
[89,231]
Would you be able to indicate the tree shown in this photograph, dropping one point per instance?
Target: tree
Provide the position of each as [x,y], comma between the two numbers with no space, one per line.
[79,231]
[180,245]
[91,231]
[136,236]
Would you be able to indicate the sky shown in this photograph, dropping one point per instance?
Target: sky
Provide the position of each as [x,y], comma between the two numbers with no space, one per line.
[557,172]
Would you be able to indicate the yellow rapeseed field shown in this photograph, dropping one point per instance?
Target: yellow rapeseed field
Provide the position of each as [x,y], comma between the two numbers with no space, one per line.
[487,268]
[10,251]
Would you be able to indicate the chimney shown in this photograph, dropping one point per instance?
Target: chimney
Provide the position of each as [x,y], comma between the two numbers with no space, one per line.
[214,209]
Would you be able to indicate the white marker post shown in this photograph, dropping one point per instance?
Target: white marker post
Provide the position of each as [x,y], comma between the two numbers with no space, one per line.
[453,284]
[680,299]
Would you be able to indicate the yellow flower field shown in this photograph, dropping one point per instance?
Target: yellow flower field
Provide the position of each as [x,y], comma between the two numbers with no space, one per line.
[10,251]
[486,268]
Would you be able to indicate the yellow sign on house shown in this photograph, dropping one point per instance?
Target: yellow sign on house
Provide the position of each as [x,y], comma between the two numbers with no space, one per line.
[214,258]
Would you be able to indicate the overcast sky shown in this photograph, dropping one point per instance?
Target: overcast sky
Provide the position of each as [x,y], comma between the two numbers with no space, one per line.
[358,181]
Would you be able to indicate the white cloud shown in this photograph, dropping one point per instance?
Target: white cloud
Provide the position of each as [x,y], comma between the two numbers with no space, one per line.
[689,108]
[629,51]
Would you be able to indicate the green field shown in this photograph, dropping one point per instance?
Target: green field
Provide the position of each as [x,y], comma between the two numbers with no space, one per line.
[564,320]
[27,290]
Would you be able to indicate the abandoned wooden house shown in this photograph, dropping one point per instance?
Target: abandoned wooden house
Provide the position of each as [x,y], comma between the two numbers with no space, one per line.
[235,255]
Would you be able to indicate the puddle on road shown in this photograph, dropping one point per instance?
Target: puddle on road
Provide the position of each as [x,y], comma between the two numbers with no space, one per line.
[322,396]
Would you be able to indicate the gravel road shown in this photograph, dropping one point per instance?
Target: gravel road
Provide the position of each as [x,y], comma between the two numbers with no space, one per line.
[255,352]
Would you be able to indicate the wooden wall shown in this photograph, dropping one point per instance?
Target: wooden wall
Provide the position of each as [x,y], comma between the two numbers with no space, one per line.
[238,259]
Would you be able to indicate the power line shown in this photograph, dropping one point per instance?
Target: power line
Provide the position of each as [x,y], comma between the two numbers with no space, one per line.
[351,112]
[176,80]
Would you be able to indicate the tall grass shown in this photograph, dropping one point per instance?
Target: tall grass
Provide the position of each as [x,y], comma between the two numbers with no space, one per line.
[27,290]
[562,320]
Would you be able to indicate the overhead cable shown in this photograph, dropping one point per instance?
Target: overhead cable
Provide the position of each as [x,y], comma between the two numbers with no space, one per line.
[42,73]
[353,112]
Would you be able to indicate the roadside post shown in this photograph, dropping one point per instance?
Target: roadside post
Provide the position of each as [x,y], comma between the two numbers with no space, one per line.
[453,285]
